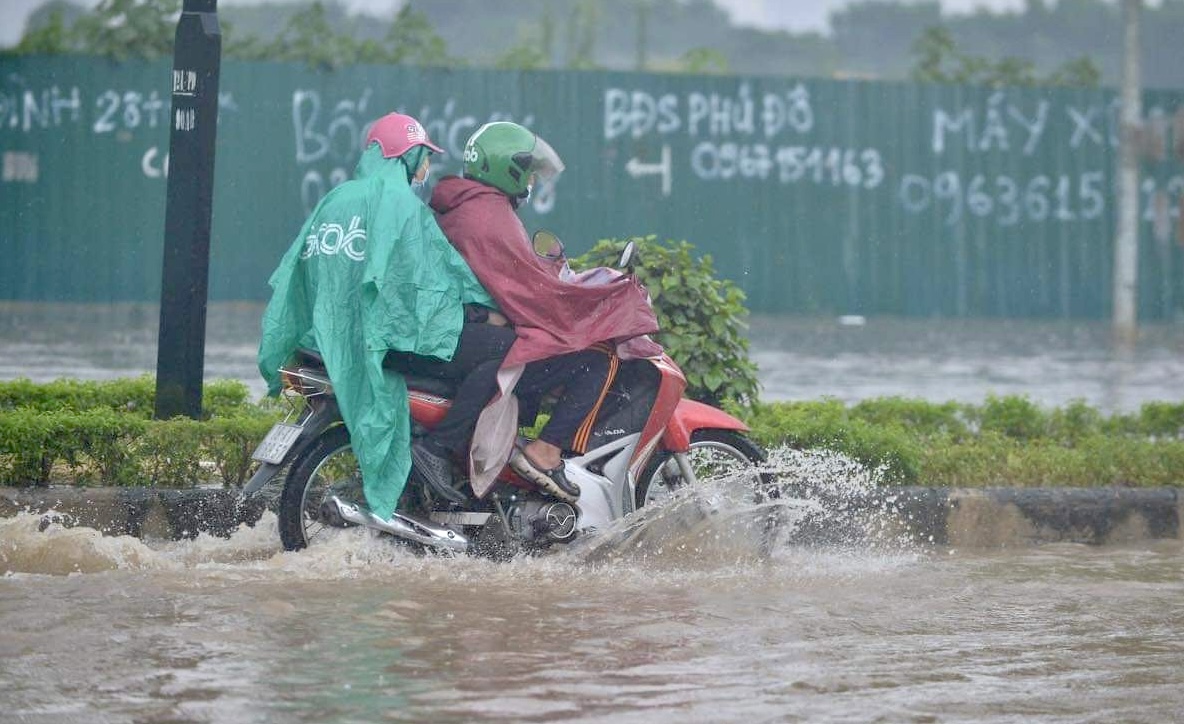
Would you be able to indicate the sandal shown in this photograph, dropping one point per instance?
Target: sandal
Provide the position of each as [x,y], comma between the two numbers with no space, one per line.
[553,481]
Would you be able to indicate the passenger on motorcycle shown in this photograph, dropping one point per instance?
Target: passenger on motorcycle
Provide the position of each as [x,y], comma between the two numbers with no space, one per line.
[370,274]
[564,330]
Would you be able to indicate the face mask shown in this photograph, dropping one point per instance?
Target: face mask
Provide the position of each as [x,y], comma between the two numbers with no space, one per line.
[417,182]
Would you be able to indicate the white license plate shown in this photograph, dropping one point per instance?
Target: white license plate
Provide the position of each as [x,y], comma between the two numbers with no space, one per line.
[276,445]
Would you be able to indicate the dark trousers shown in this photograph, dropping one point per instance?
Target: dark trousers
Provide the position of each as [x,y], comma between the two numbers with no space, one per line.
[479,354]
[584,377]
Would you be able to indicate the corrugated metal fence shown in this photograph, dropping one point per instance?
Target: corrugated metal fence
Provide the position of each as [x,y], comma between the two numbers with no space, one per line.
[813,195]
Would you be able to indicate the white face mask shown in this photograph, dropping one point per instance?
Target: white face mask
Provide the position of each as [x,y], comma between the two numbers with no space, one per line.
[422,177]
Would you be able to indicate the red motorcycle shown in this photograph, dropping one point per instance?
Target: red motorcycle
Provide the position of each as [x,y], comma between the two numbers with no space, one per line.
[647,442]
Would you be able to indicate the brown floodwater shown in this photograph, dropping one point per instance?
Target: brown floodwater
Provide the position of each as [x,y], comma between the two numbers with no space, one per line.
[695,624]
[675,618]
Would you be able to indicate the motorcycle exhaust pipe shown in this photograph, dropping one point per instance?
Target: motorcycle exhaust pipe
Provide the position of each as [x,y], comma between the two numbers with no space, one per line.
[403,526]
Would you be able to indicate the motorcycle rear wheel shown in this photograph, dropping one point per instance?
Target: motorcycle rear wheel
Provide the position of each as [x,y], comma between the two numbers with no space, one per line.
[328,467]
[712,453]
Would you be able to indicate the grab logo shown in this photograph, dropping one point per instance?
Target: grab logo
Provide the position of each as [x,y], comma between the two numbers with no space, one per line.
[331,239]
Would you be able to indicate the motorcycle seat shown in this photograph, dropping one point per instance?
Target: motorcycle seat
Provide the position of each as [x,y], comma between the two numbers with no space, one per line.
[431,385]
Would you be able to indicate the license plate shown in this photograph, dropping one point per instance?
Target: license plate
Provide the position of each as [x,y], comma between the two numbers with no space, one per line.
[276,445]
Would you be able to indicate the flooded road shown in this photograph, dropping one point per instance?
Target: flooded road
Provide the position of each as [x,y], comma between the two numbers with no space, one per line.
[116,630]
[1052,362]
[684,628]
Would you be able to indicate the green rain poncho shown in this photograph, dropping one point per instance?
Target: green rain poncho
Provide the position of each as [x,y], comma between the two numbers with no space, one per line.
[370,271]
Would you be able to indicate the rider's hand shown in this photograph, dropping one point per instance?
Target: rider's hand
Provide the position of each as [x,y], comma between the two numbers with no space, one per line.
[498,319]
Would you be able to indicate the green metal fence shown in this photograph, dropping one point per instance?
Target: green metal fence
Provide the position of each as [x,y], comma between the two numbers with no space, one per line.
[813,195]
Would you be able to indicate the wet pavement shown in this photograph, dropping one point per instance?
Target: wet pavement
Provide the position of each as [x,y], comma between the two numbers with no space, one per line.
[1052,362]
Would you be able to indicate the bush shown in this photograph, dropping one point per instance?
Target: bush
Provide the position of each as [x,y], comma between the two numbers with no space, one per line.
[101,433]
[92,445]
[1162,420]
[828,424]
[702,318]
[1012,416]
[1074,423]
[230,441]
[1007,441]
[924,418]
[134,395]
[171,452]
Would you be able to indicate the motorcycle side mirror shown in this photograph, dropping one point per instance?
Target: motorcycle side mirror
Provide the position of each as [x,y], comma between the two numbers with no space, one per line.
[547,245]
[628,256]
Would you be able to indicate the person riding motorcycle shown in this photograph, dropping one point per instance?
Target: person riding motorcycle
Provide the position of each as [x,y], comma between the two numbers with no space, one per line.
[564,330]
[371,274]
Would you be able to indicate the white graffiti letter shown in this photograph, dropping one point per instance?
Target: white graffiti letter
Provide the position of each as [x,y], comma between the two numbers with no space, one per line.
[697,109]
[943,123]
[310,146]
[1034,126]
[616,113]
[1083,126]
[995,132]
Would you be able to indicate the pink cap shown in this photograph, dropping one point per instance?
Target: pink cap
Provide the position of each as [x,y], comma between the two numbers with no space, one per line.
[398,134]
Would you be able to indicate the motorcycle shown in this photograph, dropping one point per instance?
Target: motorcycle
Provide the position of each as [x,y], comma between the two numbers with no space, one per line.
[648,441]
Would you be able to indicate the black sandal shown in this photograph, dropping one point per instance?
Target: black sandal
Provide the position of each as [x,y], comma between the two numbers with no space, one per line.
[553,481]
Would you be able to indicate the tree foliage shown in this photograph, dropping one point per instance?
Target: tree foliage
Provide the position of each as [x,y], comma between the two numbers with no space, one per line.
[321,35]
[129,28]
[116,29]
[50,35]
[705,61]
[939,60]
[1063,43]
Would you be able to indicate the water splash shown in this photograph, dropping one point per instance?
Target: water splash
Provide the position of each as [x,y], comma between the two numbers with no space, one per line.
[844,501]
[821,502]
[816,498]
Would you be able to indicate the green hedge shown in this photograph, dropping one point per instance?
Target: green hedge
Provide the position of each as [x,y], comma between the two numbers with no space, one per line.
[135,396]
[101,433]
[1006,441]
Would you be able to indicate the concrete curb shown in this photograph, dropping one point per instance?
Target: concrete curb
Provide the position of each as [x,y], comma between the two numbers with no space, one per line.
[960,517]
[1019,517]
[146,513]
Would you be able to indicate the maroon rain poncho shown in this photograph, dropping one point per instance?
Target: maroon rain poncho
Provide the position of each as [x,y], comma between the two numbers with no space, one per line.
[550,316]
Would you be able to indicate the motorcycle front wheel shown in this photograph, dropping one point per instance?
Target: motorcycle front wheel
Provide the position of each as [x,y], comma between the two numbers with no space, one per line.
[713,453]
[328,467]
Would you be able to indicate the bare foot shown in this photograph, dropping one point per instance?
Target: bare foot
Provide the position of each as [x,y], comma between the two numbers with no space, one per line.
[543,454]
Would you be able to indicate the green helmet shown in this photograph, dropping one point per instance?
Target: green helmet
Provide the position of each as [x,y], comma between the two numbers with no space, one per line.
[509,158]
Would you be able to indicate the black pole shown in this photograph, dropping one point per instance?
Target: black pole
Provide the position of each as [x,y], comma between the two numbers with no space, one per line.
[188,207]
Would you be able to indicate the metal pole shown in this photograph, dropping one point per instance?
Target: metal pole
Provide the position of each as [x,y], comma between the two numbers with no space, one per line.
[1126,245]
[184,281]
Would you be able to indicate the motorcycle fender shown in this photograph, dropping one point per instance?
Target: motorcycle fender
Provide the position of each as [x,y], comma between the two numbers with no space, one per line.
[261,477]
[690,416]
[311,429]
